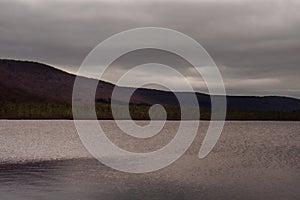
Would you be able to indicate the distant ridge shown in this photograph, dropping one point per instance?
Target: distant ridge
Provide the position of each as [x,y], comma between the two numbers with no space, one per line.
[32,82]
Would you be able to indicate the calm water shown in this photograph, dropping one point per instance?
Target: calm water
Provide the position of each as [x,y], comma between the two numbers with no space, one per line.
[252,160]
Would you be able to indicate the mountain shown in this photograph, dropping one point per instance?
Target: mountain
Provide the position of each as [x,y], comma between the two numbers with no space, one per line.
[24,81]
[32,82]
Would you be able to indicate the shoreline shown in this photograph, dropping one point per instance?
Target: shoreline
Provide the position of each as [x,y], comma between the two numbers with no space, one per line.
[175,120]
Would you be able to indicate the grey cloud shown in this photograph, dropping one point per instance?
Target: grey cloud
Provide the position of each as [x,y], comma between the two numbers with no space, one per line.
[253,42]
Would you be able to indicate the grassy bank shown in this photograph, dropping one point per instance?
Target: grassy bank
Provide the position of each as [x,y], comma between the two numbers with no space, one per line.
[9,110]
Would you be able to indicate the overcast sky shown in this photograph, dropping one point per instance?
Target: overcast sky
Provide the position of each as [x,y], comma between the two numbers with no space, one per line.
[256,44]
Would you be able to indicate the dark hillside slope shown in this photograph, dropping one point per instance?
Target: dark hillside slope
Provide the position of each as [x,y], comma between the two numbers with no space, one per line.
[24,81]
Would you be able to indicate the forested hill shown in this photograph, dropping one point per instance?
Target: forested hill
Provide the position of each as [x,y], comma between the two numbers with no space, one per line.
[28,85]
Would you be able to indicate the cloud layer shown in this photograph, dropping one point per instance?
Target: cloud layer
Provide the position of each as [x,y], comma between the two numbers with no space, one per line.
[256,44]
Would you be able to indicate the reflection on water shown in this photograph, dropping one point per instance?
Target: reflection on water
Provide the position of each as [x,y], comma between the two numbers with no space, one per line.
[83,179]
[252,160]
[90,180]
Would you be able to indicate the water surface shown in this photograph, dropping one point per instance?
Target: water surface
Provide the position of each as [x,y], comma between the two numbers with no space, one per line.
[252,160]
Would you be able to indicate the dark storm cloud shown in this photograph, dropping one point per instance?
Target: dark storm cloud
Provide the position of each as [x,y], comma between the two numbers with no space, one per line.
[255,43]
